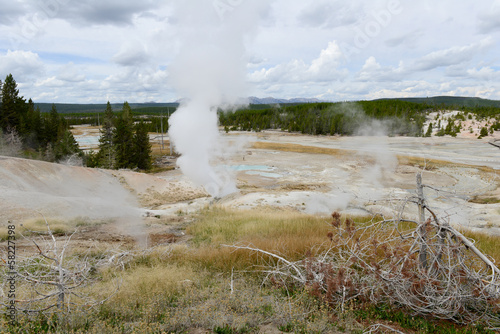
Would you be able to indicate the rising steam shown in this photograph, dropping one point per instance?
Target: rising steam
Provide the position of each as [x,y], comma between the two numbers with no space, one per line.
[209,72]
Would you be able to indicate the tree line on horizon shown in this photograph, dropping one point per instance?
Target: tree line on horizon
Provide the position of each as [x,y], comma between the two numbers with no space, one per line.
[341,118]
[25,131]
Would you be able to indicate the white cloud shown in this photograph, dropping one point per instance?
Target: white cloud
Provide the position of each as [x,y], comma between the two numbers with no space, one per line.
[324,68]
[329,14]
[484,73]
[21,64]
[131,54]
[71,73]
[407,40]
[488,21]
[11,11]
[50,82]
[86,51]
[372,71]
[451,56]
[95,12]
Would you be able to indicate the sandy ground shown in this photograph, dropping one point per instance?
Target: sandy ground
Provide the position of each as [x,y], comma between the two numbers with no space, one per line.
[358,175]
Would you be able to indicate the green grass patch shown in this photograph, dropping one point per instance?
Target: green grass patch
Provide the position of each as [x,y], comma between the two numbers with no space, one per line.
[403,321]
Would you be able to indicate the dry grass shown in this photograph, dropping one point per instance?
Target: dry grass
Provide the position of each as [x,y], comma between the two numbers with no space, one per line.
[291,234]
[433,164]
[143,284]
[154,199]
[288,147]
[31,226]
[283,231]
[486,243]
[484,200]
[158,150]
[303,186]
[176,298]
[78,131]
[176,288]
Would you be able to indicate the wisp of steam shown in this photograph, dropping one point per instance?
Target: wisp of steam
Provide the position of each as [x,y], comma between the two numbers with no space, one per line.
[208,73]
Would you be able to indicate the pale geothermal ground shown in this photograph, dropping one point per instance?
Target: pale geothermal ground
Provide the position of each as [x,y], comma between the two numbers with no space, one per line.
[317,175]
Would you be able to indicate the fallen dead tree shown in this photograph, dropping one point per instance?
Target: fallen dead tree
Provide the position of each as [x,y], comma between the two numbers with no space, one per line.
[424,266]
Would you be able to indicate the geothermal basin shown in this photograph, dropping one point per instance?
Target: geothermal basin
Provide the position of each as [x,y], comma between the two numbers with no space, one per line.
[310,174]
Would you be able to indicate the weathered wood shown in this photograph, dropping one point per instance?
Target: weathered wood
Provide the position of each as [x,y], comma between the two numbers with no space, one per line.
[422,230]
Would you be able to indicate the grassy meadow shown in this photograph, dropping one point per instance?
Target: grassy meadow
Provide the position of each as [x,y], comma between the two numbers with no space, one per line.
[203,286]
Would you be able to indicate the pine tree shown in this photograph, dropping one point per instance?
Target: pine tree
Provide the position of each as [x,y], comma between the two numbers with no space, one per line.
[13,106]
[66,146]
[142,147]
[106,156]
[429,131]
[53,127]
[33,126]
[483,133]
[124,138]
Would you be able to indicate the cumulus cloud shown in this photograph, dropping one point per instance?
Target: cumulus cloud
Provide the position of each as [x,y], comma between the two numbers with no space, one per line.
[373,71]
[323,68]
[21,64]
[123,48]
[135,84]
[131,54]
[484,73]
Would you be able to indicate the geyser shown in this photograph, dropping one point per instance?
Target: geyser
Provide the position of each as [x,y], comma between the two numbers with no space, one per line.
[209,72]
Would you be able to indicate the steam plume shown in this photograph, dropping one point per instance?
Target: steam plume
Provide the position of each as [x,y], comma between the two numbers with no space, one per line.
[209,71]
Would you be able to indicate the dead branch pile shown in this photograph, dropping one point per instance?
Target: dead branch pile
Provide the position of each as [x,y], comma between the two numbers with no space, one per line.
[48,279]
[424,266]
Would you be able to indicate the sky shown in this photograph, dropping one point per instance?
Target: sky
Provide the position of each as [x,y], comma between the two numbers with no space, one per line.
[93,51]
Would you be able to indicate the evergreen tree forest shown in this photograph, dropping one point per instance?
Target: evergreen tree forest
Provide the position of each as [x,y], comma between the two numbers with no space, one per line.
[25,131]
[122,143]
[343,118]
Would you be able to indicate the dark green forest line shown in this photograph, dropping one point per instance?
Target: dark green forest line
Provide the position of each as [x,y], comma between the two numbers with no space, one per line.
[402,116]
[43,133]
[86,109]
[453,102]
[385,116]
[443,102]
[393,117]
[25,131]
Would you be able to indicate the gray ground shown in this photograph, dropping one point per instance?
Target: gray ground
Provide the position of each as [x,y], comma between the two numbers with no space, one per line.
[367,175]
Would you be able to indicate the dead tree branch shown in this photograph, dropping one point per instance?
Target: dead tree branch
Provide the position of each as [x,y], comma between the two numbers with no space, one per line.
[424,266]
[52,280]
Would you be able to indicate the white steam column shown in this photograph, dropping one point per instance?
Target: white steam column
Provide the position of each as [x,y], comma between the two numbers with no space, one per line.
[209,71]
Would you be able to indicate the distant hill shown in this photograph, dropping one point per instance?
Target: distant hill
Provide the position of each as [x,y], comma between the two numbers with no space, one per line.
[452,101]
[260,103]
[69,108]
[272,100]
